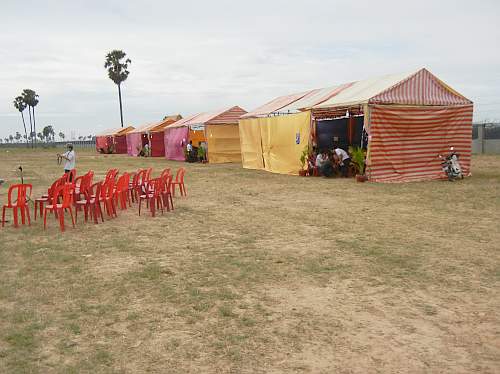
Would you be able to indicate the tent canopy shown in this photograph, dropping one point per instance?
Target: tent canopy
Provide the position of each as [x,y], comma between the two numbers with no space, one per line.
[223,116]
[167,121]
[415,88]
[116,131]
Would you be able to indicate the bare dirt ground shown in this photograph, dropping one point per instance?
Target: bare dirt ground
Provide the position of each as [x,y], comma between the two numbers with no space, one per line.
[257,273]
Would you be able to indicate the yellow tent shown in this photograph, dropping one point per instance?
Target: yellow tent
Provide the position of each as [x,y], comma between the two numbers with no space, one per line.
[275,143]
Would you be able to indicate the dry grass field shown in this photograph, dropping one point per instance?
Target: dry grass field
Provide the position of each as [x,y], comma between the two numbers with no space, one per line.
[257,273]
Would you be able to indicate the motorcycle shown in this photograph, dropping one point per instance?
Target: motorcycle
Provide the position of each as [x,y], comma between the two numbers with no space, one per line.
[451,166]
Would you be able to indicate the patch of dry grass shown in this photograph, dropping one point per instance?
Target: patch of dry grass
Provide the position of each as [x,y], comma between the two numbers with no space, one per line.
[256,272]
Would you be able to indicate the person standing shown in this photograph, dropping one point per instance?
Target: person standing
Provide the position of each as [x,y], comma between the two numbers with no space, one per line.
[344,159]
[70,159]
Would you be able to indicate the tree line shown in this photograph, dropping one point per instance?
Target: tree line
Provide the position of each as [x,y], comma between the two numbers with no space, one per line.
[47,135]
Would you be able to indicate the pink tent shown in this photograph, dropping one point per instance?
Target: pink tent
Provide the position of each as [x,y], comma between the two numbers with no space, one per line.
[175,140]
[134,143]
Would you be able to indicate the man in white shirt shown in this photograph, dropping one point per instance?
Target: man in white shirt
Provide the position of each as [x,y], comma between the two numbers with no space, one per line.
[345,160]
[324,164]
[70,158]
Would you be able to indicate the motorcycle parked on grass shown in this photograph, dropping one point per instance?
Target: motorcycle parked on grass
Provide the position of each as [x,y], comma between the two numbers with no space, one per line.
[451,165]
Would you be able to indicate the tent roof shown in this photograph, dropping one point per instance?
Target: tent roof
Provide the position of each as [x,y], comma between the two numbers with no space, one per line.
[276,104]
[124,130]
[142,129]
[116,131]
[362,91]
[223,116]
[167,121]
[414,88]
[314,97]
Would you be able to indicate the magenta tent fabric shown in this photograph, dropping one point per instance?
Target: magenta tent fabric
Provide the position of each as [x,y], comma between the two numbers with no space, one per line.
[175,141]
[134,141]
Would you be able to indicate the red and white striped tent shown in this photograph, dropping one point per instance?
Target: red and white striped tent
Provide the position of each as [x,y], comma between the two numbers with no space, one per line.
[410,119]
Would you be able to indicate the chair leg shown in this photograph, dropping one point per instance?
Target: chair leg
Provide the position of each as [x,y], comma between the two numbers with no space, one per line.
[44,219]
[73,218]
[140,203]
[28,214]
[14,212]
[61,219]
[100,210]
[152,206]
[36,205]
[23,215]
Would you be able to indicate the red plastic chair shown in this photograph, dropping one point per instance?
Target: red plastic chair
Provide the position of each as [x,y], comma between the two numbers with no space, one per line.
[111,174]
[82,184]
[121,193]
[47,198]
[91,203]
[134,187]
[179,181]
[106,197]
[61,203]
[154,197]
[166,193]
[70,177]
[22,193]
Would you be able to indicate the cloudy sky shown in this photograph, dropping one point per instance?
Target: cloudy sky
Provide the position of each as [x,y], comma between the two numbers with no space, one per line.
[192,56]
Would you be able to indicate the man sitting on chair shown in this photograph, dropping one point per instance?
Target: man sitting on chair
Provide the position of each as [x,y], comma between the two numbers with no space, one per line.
[324,164]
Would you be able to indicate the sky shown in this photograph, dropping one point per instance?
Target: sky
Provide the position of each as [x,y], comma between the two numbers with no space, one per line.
[194,56]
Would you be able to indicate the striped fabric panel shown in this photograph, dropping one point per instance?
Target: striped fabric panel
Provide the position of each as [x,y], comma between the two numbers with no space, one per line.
[228,117]
[405,141]
[422,88]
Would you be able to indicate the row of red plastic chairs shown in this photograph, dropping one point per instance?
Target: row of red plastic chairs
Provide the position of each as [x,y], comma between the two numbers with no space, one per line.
[70,191]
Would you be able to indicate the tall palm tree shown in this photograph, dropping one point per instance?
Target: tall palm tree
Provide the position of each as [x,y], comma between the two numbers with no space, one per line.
[31,99]
[117,72]
[20,105]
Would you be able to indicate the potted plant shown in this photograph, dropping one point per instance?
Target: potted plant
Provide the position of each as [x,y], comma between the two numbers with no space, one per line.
[358,159]
[303,160]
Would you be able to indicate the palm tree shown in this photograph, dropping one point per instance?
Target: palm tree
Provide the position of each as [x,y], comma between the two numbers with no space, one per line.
[18,136]
[48,132]
[117,72]
[20,105]
[11,138]
[61,135]
[31,99]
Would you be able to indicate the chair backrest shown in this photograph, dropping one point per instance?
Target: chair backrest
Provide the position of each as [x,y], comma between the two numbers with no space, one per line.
[108,188]
[111,174]
[94,189]
[63,195]
[135,179]
[165,172]
[179,176]
[166,182]
[21,192]
[70,177]
[148,173]
[122,183]
[86,181]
